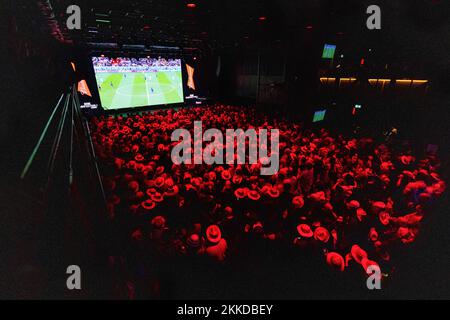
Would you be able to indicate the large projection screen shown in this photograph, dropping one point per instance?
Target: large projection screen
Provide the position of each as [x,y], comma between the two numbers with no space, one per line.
[137,82]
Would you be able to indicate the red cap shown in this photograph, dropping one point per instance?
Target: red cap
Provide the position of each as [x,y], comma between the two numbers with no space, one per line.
[335,260]
[305,230]
[357,253]
[298,202]
[254,195]
[159,222]
[321,234]
[213,233]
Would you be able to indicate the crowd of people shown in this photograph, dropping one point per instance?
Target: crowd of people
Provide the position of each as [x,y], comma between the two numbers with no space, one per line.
[350,199]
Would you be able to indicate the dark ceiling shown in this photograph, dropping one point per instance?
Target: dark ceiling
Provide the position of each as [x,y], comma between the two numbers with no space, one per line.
[414,32]
[220,22]
[211,23]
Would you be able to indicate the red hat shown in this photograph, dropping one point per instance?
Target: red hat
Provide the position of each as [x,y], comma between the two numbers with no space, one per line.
[402,232]
[435,176]
[139,195]
[386,166]
[298,202]
[126,149]
[169,182]
[406,235]
[373,234]
[159,182]
[161,147]
[226,175]
[318,196]
[335,260]
[357,253]
[193,240]
[213,233]
[316,224]
[190,187]
[253,195]
[171,191]
[366,263]
[424,197]
[321,234]
[140,167]
[208,185]
[139,157]
[265,188]
[360,213]
[157,197]
[328,206]
[187,176]
[156,157]
[131,164]
[159,222]
[240,193]
[283,171]
[385,178]
[271,236]
[133,185]
[409,174]
[137,235]
[135,148]
[353,204]
[197,181]
[253,179]
[378,205]
[258,227]
[384,218]
[212,176]
[237,179]
[149,183]
[409,219]
[305,230]
[273,192]
[159,170]
[151,191]
[119,162]
[406,159]
[148,204]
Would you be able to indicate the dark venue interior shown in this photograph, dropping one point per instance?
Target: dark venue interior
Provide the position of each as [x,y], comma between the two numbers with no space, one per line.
[88,113]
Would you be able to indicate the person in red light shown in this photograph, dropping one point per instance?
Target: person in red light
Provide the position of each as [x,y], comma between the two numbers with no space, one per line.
[216,246]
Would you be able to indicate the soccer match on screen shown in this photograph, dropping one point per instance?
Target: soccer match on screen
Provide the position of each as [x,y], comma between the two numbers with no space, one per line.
[128,83]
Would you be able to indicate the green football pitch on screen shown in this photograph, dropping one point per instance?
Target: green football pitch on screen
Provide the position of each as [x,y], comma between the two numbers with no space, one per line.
[319,115]
[136,89]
